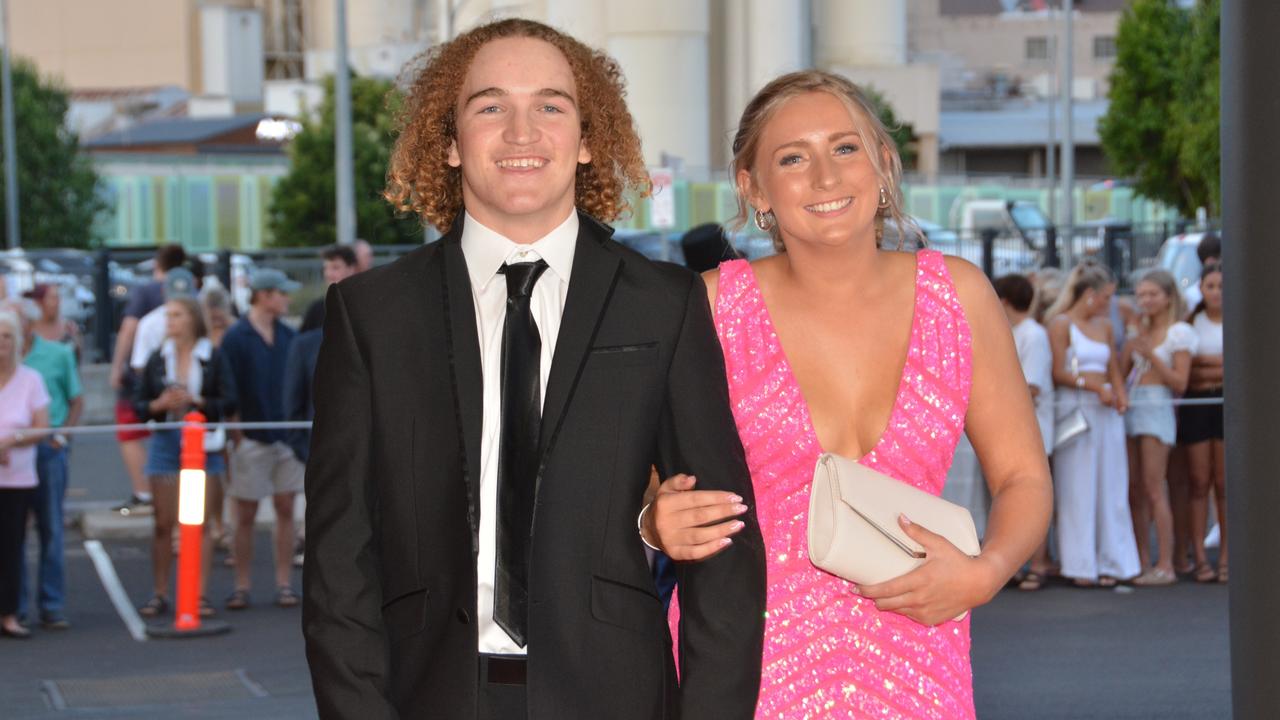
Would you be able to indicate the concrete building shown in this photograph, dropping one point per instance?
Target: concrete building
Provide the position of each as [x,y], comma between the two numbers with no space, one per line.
[999,64]
[1010,47]
[212,49]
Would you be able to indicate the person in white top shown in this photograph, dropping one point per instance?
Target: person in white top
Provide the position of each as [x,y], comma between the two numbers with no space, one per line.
[1200,427]
[1018,295]
[1090,471]
[1157,363]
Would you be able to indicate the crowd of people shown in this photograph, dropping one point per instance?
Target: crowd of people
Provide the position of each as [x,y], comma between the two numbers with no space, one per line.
[1128,398]
[180,348]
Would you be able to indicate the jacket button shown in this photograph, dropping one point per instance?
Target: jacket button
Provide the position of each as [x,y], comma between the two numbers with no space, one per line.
[463,616]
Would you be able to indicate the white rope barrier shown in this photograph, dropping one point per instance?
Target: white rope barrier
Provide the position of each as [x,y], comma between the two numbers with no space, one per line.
[306,425]
[156,426]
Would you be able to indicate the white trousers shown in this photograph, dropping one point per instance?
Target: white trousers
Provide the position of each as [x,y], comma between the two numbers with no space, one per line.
[1091,482]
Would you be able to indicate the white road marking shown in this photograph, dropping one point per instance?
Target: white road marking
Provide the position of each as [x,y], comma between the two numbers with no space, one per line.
[115,591]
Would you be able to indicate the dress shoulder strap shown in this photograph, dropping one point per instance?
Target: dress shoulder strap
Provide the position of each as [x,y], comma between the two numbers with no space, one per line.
[735,279]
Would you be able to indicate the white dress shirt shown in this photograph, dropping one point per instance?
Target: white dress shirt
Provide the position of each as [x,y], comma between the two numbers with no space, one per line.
[485,251]
[1036,358]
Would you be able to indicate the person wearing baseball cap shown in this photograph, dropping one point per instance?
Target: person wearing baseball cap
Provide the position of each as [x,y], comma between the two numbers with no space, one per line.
[256,349]
[178,283]
[272,279]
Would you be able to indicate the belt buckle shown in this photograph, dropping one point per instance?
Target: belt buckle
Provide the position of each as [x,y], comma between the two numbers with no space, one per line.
[506,670]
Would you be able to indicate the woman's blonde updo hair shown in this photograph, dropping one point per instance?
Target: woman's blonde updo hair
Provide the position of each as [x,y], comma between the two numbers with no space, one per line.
[874,135]
[1088,275]
[420,179]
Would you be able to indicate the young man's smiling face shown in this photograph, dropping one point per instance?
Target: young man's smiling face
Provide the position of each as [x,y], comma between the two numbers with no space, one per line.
[519,138]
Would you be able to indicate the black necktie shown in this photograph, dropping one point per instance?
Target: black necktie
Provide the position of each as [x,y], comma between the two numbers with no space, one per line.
[517,451]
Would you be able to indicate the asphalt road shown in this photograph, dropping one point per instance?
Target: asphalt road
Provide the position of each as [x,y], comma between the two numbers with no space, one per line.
[1059,653]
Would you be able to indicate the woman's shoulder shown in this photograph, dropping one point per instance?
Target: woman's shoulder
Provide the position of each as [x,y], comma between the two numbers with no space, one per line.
[1182,335]
[28,376]
[32,384]
[973,290]
[965,275]
[1101,324]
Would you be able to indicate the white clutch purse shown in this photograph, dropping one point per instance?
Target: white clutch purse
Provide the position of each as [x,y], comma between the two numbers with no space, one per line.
[853,522]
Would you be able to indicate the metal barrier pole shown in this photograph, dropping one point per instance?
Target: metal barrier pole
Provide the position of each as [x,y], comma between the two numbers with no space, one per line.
[223,271]
[104,306]
[989,252]
[1250,176]
[1051,257]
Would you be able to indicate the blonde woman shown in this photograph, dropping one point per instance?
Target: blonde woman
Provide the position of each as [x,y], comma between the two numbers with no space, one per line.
[187,373]
[1090,470]
[835,344]
[1157,363]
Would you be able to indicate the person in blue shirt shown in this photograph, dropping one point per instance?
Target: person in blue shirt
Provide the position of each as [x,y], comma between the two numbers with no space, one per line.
[256,349]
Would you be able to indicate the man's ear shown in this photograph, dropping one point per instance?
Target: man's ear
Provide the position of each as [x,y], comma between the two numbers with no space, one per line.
[584,152]
[455,160]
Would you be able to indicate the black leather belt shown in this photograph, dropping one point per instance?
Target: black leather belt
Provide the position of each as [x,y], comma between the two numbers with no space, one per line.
[503,669]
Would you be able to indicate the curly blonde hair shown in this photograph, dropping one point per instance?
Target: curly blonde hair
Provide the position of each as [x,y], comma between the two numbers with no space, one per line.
[774,95]
[420,179]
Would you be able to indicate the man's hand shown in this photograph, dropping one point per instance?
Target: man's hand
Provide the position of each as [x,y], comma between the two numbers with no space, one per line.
[947,584]
[690,524]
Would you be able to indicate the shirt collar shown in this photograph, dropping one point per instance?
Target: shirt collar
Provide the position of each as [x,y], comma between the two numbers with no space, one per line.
[486,250]
[203,350]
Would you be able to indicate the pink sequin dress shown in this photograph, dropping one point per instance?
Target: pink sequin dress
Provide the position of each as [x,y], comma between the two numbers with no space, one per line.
[829,653]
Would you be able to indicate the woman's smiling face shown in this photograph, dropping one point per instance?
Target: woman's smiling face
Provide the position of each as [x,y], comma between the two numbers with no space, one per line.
[814,172]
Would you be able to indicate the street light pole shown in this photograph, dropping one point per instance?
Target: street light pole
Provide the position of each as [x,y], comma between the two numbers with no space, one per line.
[1068,134]
[344,163]
[10,152]
[1051,143]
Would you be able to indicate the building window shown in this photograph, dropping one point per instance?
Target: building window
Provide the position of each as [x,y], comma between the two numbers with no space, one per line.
[1037,48]
[1104,47]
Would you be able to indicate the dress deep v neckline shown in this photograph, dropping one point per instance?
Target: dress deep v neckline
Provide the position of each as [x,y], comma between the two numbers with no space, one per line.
[811,430]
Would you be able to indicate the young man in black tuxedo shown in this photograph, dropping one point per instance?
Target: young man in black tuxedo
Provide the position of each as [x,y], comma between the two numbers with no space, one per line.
[488,409]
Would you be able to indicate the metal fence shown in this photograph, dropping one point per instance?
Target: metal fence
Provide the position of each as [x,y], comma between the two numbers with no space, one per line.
[1125,248]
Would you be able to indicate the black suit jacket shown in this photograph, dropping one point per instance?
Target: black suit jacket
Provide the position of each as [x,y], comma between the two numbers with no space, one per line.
[392,490]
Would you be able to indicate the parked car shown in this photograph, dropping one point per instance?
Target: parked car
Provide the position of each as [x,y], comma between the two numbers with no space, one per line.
[1178,256]
[23,271]
[242,268]
[1009,256]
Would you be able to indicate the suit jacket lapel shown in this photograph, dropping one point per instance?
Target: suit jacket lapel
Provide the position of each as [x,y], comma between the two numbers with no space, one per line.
[595,268]
[464,357]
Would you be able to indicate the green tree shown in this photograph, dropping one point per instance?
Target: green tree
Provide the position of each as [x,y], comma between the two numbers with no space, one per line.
[303,208]
[57,185]
[903,134]
[1161,127]
[1196,116]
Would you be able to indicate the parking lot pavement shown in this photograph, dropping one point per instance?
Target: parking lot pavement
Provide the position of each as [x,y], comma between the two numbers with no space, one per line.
[97,670]
[1058,653]
[1064,652]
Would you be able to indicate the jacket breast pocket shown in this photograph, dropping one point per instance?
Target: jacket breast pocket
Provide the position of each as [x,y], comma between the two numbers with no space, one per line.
[624,605]
[619,356]
[406,616]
